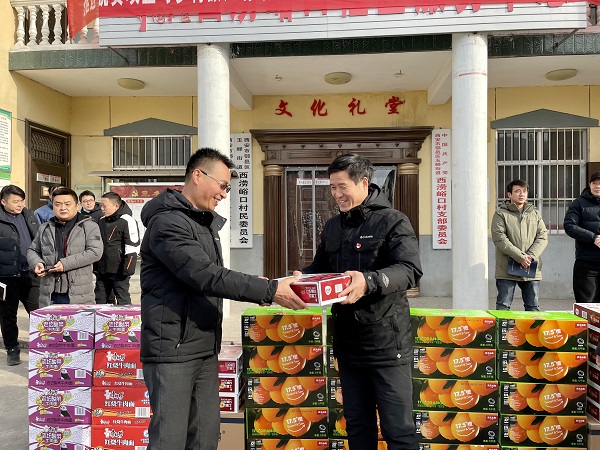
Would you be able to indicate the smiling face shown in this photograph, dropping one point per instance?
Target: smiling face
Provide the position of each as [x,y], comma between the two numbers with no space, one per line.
[346,193]
[206,190]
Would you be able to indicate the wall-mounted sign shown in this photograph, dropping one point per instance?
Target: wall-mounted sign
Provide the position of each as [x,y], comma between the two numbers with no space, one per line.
[5,143]
[240,198]
[441,189]
[45,178]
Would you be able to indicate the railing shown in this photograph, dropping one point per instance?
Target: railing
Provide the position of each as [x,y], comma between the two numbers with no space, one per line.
[41,24]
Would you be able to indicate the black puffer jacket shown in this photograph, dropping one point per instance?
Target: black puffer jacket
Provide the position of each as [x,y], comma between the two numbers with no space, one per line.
[121,239]
[183,281]
[582,223]
[96,213]
[11,260]
[378,241]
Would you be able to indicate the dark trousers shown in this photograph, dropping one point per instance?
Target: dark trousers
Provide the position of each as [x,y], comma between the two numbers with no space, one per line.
[108,284]
[185,404]
[389,389]
[24,289]
[586,281]
[60,298]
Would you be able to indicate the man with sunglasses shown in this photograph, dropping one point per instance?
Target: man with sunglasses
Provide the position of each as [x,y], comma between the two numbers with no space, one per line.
[183,283]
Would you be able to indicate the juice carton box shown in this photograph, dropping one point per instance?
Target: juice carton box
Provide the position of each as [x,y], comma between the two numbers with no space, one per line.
[541,330]
[288,444]
[280,326]
[230,359]
[118,368]
[457,427]
[120,406]
[60,406]
[231,403]
[552,430]
[119,437]
[59,437]
[299,360]
[542,398]
[68,327]
[453,328]
[118,327]
[336,400]
[332,364]
[300,423]
[589,312]
[321,289]
[530,367]
[454,363]
[60,368]
[438,394]
[286,391]
[230,384]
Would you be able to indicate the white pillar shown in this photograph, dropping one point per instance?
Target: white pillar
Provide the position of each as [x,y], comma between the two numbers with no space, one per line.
[213,119]
[469,172]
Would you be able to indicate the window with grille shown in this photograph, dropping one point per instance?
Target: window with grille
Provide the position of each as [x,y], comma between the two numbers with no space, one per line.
[151,152]
[551,161]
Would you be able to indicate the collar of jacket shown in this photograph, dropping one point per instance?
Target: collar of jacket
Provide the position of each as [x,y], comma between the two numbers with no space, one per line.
[513,208]
[4,215]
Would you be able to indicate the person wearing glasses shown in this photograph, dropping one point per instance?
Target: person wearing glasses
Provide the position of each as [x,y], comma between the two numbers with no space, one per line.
[63,252]
[183,283]
[89,206]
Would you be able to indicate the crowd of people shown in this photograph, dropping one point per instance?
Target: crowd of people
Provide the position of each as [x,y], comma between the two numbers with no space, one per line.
[73,250]
[51,256]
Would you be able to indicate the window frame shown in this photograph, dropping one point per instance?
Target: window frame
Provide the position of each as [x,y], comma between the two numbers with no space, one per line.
[154,152]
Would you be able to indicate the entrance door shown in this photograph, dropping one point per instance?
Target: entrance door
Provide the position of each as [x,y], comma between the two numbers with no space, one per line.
[49,159]
[309,206]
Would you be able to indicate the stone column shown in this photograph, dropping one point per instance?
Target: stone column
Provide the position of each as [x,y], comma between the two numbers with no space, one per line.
[469,172]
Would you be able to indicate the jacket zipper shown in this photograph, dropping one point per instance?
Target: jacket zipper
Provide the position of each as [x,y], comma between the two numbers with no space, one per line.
[183,326]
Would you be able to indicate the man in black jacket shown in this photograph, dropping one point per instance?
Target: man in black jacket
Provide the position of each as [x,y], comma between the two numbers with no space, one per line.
[89,206]
[582,223]
[372,338]
[18,227]
[121,238]
[183,282]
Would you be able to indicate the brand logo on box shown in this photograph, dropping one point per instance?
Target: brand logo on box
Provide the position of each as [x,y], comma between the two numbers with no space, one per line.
[52,436]
[52,362]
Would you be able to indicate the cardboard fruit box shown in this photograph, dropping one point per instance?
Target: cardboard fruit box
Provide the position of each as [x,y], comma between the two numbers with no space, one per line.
[543,398]
[589,312]
[231,403]
[453,328]
[298,360]
[286,423]
[280,326]
[286,391]
[455,395]
[530,367]
[230,359]
[456,427]
[468,447]
[541,330]
[547,431]
[321,289]
[454,363]
[287,444]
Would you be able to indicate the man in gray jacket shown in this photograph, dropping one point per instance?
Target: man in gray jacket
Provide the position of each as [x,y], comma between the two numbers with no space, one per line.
[63,252]
[519,233]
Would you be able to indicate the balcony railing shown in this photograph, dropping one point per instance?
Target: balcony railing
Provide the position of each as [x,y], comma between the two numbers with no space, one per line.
[41,24]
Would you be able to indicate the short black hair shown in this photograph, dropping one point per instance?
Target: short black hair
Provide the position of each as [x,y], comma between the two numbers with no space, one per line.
[114,198]
[12,189]
[206,156]
[358,167]
[64,191]
[513,183]
[86,193]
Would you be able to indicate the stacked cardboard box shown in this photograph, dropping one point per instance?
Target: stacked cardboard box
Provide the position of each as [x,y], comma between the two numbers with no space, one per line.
[591,313]
[541,369]
[286,397]
[455,387]
[231,379]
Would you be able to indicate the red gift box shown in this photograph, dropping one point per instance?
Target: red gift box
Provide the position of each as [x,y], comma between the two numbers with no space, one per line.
[321,289]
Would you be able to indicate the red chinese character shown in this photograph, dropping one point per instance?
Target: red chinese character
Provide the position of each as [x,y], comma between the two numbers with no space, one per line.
[282,109]
[393,104]
[185,18]
[355,105]
[317,108]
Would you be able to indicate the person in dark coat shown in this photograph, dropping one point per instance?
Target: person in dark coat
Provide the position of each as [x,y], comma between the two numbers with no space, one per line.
[582,223]
[183,283]
[44,213]
[89,206]
[18,227]
[121,238]
[372,337]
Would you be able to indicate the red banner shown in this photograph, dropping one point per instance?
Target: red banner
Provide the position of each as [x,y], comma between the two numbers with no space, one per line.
[81,12]
[284,8]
